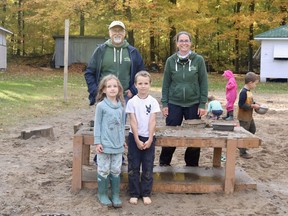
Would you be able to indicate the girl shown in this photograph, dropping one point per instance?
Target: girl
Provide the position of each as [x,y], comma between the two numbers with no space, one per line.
[231,94]
[109,138]
[142,110]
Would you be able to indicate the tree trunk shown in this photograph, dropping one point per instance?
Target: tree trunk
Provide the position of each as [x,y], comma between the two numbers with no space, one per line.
[4,11]
[152,46]
[128,13]
[236,47]
[19,25]
[251,37]
[172,33]
[82,23]
[283,9]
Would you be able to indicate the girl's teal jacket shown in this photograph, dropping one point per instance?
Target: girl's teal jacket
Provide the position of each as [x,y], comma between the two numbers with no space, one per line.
[185,81]
[109,126]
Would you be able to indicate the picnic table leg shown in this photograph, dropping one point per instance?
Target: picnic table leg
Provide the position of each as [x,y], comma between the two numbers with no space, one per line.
[217,157]
[230,166]
[77,163]
[86,154]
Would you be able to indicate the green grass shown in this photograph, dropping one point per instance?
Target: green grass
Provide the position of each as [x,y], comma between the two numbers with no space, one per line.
[218,83]
[36,93]
[33,94]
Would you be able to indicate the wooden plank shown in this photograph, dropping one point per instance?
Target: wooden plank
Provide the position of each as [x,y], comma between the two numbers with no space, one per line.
[85,154]
[180,179]
[77,126]
[88,139]
[217,157]
[203,138]
[230,166]
[77,163]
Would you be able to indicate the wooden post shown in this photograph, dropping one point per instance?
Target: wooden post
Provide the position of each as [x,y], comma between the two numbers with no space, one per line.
[66,42]
[230,166]
[77,163]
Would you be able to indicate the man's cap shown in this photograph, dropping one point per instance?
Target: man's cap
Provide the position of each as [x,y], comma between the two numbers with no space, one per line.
[116,23]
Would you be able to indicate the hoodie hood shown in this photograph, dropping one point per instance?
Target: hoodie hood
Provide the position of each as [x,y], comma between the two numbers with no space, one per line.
[180,60]
[228,74]
[124,45]
[112,105]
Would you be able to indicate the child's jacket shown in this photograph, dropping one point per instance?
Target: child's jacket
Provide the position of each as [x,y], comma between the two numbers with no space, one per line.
[231,90]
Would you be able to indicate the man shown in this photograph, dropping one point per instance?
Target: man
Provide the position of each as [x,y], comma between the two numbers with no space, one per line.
[116,56]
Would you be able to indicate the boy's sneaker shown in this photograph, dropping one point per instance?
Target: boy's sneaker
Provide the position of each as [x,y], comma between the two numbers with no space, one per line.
[246,156]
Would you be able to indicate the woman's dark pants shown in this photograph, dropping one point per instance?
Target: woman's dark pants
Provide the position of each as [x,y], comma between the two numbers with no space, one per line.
[175,118]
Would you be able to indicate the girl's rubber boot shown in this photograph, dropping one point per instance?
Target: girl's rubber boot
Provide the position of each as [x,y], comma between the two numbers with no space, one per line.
[103,191]
[115,187]
[230,116]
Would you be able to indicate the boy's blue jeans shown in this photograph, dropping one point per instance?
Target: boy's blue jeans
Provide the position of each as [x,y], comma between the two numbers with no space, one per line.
[140,186]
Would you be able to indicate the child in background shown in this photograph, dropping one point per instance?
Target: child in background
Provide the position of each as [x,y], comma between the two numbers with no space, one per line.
[231,94]
[214,107]
[109,138]
[246,105]
[142,110]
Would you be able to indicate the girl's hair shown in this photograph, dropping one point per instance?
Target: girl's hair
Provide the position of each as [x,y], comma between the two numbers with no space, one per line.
[103,84]
[251,77]
[211,98]
[143,74]
[181,33]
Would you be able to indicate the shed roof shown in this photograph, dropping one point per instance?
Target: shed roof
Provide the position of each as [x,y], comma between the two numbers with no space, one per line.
[280,32]
[5,30]
[77,36]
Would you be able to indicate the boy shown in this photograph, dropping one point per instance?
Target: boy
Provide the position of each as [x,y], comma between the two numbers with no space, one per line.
[246,105]
[142,110]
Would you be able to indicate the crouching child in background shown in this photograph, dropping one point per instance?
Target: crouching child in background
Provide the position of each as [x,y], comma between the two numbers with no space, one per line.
[215,109]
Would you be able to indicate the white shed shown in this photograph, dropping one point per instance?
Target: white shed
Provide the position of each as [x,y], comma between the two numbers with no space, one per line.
[3,48]
[274,53]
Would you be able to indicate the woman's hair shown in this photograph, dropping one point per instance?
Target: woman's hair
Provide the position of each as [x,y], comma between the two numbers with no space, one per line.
[181,33]
[251,77]
[103,84]
[143,74]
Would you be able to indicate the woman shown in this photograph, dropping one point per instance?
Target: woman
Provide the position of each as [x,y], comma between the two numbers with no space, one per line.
[184,93]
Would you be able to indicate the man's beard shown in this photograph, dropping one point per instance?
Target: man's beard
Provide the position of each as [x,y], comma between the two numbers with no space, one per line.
[117,40]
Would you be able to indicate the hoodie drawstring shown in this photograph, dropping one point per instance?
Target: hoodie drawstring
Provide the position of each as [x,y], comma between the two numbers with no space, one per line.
[115,55]
[189,64]
[121,56]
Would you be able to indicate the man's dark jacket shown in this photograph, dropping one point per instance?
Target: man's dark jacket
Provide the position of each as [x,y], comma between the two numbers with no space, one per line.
[93,70]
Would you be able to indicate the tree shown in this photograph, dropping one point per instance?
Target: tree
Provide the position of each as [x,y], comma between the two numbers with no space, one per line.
[222,31]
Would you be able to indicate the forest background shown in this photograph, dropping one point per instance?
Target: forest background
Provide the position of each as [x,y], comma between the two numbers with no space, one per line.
[222,30]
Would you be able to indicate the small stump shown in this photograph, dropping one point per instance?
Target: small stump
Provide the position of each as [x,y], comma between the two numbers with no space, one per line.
[42,131]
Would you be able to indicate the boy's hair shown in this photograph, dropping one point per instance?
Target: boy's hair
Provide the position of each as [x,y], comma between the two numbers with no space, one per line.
[251,77]
[143,74]
[103,84]
[211,98]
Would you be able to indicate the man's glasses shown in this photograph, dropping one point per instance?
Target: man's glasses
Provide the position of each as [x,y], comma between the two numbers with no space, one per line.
[118,31]
[184,41]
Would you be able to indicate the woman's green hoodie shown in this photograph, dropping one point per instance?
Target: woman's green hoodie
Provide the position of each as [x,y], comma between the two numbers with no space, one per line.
[185,82]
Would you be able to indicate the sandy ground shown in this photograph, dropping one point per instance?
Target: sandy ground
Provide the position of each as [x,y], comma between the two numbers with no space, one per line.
[36,173]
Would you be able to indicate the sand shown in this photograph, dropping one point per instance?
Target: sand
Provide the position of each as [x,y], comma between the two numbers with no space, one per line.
[36,173]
